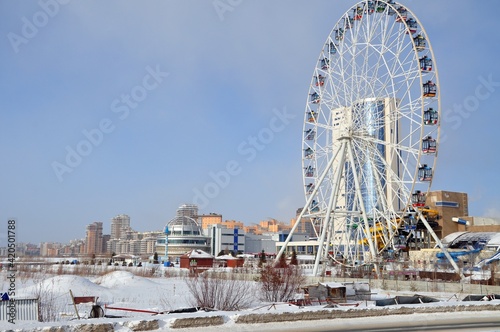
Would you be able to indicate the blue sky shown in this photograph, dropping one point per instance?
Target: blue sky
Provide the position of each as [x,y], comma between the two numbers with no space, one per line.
[216,97]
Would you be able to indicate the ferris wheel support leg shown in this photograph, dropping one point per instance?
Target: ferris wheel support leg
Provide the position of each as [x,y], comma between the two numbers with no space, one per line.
[326,222]
[306,207]
[440,244]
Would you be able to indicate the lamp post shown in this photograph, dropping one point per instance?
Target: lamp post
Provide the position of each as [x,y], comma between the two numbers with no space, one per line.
[166,243]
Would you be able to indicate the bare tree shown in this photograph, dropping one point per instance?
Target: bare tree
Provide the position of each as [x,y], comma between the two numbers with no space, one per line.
[49,304]
[294,260]
[262,258]
[281,264]
[279,284]
[221,291]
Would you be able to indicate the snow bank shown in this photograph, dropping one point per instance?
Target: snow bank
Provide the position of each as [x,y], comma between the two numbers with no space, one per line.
[60,285]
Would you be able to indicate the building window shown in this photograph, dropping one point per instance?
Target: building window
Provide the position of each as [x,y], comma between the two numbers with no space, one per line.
[447,204]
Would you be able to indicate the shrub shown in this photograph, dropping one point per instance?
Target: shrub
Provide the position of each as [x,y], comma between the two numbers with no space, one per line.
[219,291]
[279,284]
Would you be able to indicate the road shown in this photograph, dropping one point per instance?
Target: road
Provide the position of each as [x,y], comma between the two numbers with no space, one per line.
[455,321]
[441,322]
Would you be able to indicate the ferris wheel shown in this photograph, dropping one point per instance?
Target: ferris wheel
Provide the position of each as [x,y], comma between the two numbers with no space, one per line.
[371,132]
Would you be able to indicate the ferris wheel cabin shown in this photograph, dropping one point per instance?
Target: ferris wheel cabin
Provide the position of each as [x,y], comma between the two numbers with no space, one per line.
[425,173]
[314,206]
[412,25]
[310,133]
[315,98]
[310,188]
[430,89]
[325,63]
[403,14]
[429,145]
[391,11]
[425,64]
[418,199]
[319,80]
[312,117]
[309,171]
[348,22]
[358,13]
[339,34]
[382,5]
[308,153]
[332,48]
[430,116]
[370,9]
[420,43]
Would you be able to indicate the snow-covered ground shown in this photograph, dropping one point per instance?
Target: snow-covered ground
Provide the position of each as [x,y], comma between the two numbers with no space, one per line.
[122,289]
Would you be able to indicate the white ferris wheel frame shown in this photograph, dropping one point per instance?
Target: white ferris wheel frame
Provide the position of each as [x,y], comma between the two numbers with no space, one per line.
[346,79]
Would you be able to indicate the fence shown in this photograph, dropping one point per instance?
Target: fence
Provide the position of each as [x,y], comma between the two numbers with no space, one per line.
[25,310]
[413,286]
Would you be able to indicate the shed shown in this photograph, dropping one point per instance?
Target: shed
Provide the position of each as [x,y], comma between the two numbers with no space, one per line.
[328,291]
[229,261]
[197,259]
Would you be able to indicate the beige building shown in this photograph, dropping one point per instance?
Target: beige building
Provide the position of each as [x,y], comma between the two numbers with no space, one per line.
[50,249]
[93,240]
[268,226]
[207,220]
[306,226]
[449,205]
[119,226]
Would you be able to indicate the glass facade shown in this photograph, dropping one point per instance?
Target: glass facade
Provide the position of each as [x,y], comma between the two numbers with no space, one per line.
[368,119]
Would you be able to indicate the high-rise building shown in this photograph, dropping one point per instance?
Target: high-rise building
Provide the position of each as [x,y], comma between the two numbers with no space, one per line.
[93,241]
[375,122]
[376,191]
[119,226]
[105,239]
[187,210]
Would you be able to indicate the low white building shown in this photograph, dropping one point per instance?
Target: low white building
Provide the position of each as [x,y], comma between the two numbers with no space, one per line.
[225,239]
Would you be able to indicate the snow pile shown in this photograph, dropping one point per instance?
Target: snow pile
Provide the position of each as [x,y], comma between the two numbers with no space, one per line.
[60,286]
